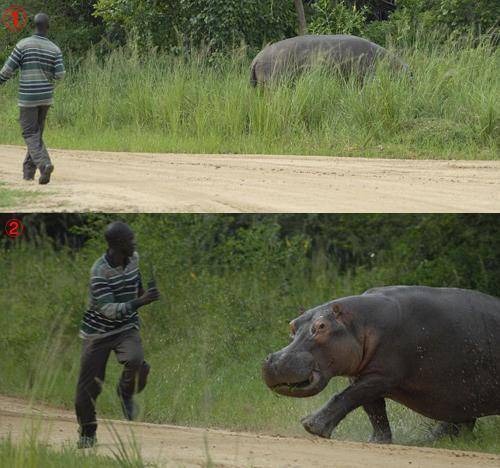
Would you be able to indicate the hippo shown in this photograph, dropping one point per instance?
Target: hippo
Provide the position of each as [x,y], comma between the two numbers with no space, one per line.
[434,350]
[342,52]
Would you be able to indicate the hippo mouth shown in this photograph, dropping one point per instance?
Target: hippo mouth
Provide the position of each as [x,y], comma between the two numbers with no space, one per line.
[311,386]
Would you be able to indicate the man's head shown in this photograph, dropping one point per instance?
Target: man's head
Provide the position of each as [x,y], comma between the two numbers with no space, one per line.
[41,21]
[120,238]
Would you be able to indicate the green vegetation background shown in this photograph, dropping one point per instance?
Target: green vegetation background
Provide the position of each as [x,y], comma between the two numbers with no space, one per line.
[230,285]
[174,77]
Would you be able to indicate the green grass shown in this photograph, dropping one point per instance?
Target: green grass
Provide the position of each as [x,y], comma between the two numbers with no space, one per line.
[14,197]
[34,455]
[205,340]
[160,103]
[33,451]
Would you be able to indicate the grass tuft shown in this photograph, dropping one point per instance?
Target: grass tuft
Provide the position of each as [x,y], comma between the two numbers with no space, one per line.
[14,197]
[31,453]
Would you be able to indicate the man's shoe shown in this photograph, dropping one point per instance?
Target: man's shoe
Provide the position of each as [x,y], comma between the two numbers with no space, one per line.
[29,176]
[86,442]
[45,173]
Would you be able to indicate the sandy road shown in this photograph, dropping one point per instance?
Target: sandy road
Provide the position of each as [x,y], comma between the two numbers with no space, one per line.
[141,182]
[183,446]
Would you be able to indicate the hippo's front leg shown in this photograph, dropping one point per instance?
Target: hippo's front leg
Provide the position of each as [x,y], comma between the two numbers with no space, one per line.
[363,391]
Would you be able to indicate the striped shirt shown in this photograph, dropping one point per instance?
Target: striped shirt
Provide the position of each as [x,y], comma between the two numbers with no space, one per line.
[40,62]
[111,290]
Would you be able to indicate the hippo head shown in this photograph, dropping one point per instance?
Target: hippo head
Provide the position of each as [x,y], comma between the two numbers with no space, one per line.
[323,345]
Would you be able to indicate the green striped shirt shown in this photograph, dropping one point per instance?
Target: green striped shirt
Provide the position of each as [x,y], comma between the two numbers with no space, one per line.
[40,62]
[111,291]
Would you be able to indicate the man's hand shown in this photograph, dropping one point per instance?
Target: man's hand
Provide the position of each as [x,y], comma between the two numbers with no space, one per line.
[151,295]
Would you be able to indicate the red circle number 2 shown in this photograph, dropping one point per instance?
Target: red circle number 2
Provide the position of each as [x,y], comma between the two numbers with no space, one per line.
[14,228]
[14,18]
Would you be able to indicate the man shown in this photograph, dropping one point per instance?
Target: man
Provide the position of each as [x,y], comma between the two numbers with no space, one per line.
[111,323]
[40,62]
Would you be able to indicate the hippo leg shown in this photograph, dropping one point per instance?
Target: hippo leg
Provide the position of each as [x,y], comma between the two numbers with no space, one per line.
[447,429]
[361,392]
[378,417]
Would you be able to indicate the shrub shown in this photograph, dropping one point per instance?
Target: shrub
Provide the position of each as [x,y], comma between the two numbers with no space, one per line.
[336,17]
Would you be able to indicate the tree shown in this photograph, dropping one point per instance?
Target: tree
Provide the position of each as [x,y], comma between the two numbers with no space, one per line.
[216,25]
[302,17]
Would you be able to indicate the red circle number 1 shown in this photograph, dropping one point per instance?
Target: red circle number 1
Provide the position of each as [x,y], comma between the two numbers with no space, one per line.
[14,228]
[14,18]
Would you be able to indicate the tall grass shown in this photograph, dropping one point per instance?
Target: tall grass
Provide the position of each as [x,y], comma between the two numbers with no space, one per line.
[31,449]
[223,309]
[30,453]
[157,102]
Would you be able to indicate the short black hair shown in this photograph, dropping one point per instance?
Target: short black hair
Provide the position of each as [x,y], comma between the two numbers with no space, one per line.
[41,20]
[117,231]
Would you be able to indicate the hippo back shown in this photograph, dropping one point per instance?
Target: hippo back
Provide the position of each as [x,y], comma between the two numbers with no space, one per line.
[342,52]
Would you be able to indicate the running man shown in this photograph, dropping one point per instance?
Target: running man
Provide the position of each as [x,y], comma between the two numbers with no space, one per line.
[40,62]
[111,323]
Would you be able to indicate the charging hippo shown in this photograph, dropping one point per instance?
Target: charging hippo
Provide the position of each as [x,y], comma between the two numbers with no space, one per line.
[341,52]
[434,350]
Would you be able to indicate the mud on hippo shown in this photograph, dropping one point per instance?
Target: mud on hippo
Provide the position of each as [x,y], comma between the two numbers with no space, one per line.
[434,350]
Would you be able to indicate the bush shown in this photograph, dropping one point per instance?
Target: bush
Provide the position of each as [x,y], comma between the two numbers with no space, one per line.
[72,25]
[453,17]
[336,17]
[218,25]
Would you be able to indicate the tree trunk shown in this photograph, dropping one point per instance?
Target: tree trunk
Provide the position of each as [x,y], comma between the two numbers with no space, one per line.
[302,17]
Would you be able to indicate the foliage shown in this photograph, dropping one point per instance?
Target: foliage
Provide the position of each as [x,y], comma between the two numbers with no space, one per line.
[451,250]
[72,25]
[455,17]
[405,19]
[217,25]
[221,25]
[224,23]
[336,17]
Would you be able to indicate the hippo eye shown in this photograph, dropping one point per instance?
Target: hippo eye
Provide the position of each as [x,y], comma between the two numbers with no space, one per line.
[317,327]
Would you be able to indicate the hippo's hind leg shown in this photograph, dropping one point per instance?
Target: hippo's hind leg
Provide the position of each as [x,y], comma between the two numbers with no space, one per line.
[447,429]
[378,417]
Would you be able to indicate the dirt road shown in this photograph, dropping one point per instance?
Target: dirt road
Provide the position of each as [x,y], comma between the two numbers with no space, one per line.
[140,182]
[183,446]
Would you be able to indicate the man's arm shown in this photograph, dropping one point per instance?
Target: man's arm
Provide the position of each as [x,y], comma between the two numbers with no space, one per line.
[11,65]
[140,288]
[59,70]
[105,300]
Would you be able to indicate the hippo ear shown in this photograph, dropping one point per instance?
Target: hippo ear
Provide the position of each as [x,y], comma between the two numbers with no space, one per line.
[302,309]
[342,315]
[336,310]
